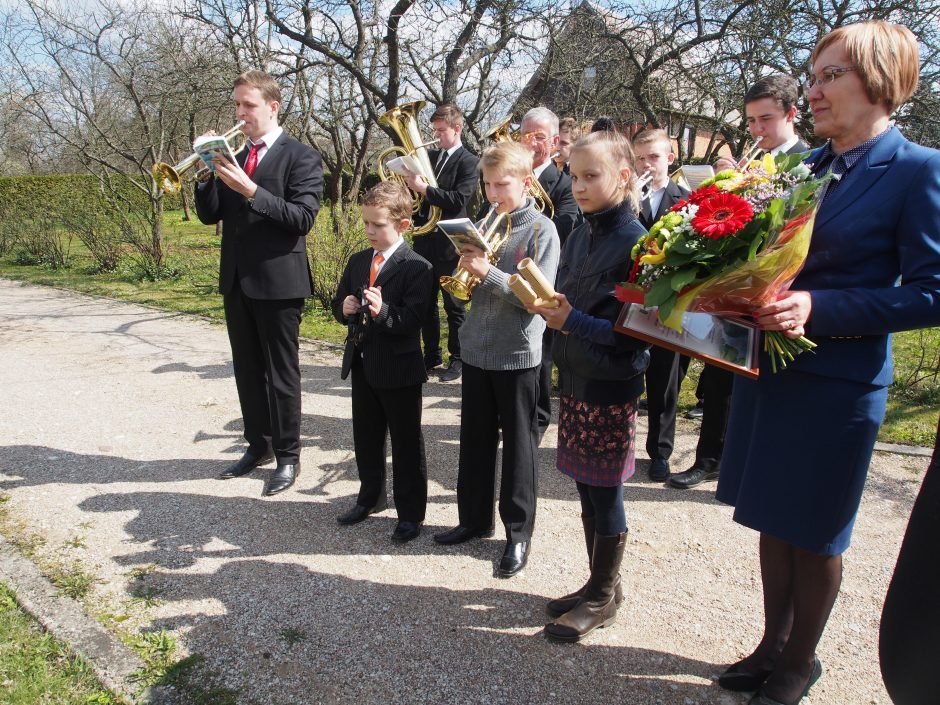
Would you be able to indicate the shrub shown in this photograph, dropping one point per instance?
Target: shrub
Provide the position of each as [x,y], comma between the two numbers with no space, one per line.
[335,236]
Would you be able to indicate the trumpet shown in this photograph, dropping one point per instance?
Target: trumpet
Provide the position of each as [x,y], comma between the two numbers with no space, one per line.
[170,178]
[403,121]
[643,182]
[461,283]
[751,153]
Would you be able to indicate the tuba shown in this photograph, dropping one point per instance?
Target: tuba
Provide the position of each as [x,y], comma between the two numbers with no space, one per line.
[170,178]
[403,120]
[461,283]
[503,131]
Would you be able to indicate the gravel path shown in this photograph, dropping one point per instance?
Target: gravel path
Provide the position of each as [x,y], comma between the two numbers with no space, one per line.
[115,419]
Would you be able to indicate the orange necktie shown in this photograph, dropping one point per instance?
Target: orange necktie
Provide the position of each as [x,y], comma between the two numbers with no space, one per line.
[374,270]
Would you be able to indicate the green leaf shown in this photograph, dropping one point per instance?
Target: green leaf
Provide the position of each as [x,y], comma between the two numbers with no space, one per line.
[683,278]
[660,292]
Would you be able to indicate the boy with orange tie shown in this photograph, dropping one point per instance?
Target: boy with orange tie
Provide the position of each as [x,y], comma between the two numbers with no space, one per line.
[382,298]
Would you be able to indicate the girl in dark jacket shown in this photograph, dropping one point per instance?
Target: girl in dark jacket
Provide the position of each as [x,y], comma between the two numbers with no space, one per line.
[600,373]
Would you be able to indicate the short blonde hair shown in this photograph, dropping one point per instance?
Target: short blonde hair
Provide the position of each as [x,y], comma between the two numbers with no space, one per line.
[885,55]
[654,135]
[264,82]
[508,158]
[392,196]
[615,151]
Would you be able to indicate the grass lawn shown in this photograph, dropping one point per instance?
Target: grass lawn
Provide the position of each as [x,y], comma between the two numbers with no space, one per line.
[36,668]
[193,251]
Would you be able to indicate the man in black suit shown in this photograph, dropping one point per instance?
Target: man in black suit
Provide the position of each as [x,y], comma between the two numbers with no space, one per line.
[267,203]
[770,108]
[455,169]
[540,133]
[654,155]
[382,298]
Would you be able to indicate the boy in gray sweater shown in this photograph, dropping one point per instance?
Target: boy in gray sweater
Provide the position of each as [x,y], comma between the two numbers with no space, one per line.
[501,347]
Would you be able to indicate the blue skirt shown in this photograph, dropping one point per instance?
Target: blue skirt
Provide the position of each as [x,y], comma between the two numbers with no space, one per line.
[796,456]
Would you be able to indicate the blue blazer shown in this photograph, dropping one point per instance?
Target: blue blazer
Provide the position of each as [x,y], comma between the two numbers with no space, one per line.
[874,261]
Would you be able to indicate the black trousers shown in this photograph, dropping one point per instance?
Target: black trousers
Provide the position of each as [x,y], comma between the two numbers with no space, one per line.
[264,335]
[454,309]
[663,378]
[397,412]
[716,385]
[544,402]
[494,401]
[909,644]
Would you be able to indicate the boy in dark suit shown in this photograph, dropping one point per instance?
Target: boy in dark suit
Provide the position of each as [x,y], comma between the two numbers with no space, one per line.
[455,169]
[653,149]
[382,298]
[267,202]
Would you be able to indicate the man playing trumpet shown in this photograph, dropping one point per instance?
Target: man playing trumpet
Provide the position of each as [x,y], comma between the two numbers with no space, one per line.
[267,202]
[456,171]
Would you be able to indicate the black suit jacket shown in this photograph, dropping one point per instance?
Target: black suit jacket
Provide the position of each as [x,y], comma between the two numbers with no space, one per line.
[389,343]
[558,187]
[800,146]
[674,194]
[456,185]
[264,243]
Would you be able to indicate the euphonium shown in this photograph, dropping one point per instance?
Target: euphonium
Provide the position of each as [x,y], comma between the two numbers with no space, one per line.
[461,283]
[503,131]
[403,119]
[170,178]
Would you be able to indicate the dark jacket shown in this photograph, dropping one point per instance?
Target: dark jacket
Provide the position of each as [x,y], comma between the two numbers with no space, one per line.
[595,258]
[557,185]
[456,185]
[264,243]
[389,343]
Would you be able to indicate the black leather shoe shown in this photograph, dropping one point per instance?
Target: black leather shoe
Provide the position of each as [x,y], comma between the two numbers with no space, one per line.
[361,513]
[282,478]
[514,559]
[740,681]
[459,534]
[695,475]
[761,699]
[659,470]
[453,371]
[245,465]
[405,531]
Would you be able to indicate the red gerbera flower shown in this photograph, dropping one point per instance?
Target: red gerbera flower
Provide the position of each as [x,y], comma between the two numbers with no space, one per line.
[704,193]
[679,205]
[722,215]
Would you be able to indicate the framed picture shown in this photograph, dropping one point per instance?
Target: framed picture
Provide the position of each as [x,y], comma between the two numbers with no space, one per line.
[730,344]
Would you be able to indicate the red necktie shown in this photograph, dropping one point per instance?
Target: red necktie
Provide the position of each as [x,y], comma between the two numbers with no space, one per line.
[374,270]
[252,162]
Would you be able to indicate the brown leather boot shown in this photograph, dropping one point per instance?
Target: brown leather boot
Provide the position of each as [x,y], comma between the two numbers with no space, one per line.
[598,604]
[557,607]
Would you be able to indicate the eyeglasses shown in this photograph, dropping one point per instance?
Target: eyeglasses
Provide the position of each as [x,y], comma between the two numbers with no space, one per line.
[828,75]
[529,137]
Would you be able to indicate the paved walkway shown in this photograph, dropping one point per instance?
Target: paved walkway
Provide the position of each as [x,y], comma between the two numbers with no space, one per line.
[115,419]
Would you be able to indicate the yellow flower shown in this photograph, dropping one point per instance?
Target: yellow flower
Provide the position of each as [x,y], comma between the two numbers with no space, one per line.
[769,164]
[653,258]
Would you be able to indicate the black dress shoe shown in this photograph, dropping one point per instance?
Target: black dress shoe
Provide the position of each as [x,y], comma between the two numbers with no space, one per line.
[282,478]
[659,470]
[695,475]
[460,534]
[741,681]
[453,371]
[761,699]
[514,559]
[245,465]
[405,531]
[361,513]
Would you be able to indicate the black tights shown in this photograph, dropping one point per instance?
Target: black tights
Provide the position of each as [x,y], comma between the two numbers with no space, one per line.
[605,504]
[800,589]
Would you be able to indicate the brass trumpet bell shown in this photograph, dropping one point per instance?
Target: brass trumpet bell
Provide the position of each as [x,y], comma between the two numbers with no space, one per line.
[462,282]
[170,178]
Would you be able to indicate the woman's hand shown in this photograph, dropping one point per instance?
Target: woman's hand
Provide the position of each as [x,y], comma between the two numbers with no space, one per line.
[789,313]
[475,261]
[555,317]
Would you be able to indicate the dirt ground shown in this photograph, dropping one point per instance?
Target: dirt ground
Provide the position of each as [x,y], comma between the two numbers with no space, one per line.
[116,418]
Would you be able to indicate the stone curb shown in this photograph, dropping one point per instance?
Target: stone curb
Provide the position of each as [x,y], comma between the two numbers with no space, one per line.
[918,451]
[113,663]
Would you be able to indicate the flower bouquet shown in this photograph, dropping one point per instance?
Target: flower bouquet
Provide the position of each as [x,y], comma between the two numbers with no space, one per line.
[733,246]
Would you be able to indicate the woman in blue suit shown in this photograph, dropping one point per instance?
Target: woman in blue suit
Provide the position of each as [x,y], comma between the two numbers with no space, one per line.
[799,442]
